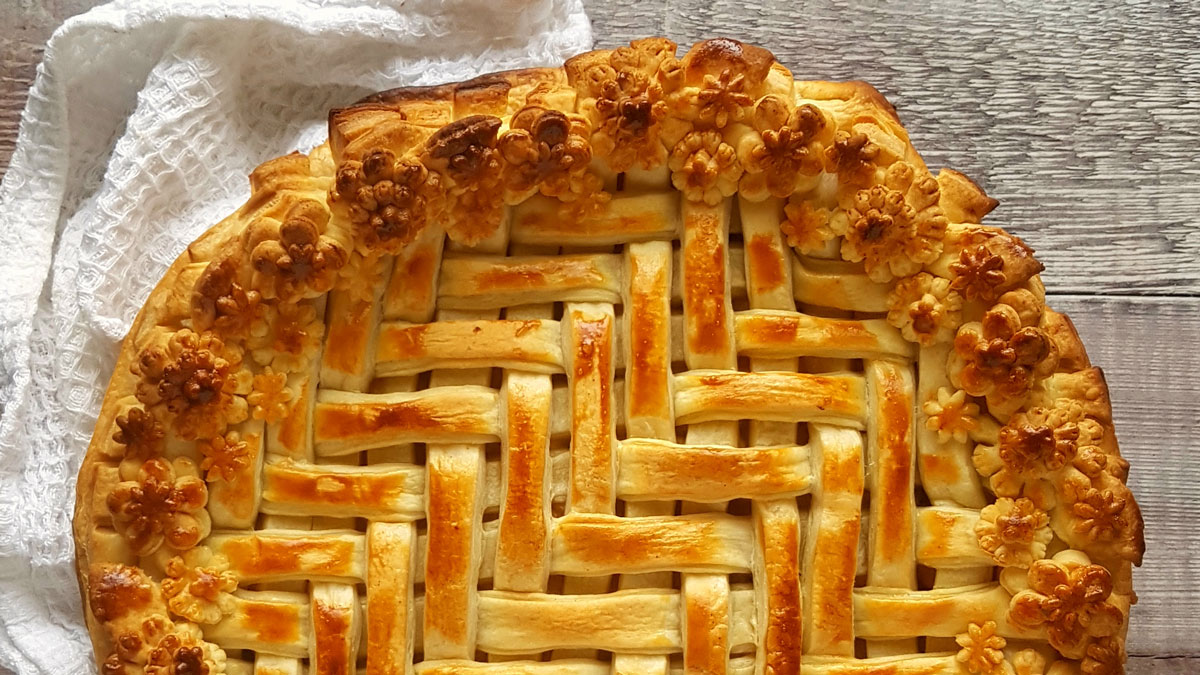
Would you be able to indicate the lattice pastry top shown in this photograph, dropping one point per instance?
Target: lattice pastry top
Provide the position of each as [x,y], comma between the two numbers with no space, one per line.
[642,364]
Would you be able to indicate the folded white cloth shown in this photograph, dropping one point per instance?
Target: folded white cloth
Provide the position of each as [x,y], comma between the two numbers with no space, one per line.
[141,127]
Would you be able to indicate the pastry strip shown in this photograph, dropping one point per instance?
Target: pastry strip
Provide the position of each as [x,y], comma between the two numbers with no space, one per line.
[405,349]
[485,282]
[709,395]
[391,565]
[625,219]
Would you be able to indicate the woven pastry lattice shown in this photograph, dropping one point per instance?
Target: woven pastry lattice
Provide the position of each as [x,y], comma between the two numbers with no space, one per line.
[643,364]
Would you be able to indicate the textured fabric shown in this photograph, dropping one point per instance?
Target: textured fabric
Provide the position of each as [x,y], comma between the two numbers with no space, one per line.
[140,130]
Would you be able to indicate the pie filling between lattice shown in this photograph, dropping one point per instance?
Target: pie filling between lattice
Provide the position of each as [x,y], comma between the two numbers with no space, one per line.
[639,365]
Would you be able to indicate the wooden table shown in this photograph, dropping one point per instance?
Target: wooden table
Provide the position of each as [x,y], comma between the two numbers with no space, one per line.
[1083,120]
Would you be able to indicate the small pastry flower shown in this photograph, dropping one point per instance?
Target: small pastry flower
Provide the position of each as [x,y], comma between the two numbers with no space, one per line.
[294,259]
[704,168]
[981,649]
[1098,515]
[1105,656]
[805,227]
[951,414]
[999,358]
[1090,458]
[464,153]
[629,106]
[1029,662]
[628,134]
[389,200]
[221,302]
[164,505]
[183,651]
[787,156]
[194,380]
[1032,445]
[722,99]
[1014,532]
[287,337]
[990,264]
[199,586]
[925,309]
[547,151]
[853,157]
[1071,599]
[141,433]
[224,457]
[896,227]
[978,273]
[270,398]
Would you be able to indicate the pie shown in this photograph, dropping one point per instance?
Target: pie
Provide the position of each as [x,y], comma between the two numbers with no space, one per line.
[643,364]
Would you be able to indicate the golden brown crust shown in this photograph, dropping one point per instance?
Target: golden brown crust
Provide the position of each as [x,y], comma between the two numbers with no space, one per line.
[168,305]
[218,341]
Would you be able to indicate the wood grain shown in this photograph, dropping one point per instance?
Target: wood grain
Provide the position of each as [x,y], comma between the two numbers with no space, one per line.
[1149,349]
[24,28]
[1082,119]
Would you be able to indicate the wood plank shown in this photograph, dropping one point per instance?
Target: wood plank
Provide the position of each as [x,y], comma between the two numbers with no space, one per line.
[1160,665]
[1149,349]
[24,28]
[19,57]
[616,23]
[1077,118]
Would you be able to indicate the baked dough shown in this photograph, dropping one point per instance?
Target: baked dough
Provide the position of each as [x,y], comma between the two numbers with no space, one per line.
[640,364]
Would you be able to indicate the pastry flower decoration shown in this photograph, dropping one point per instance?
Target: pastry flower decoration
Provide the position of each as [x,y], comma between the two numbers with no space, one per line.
[951,414]
[199,586]
[925,309]
[978,272]
[293,259]
[464,154]
[130,606]
[896,227]
[196,381]
[1000,358]
[548,152]
[165,504]
[183,651]
[141,433]
[1099,514]
[389,200]
[990,263]
[1029,662]
[287,337]
[1031,446]
[854,158]
[704,167]
[1105,656]
[224,457]
[221,302]
[787,155]
[722,99]
[805,227]
[629,105]
[270,398]
[1014,532]
[981,650]
[1068,596]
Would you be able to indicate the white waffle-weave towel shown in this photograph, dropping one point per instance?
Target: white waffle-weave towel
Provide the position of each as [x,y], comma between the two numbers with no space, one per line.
[140,130]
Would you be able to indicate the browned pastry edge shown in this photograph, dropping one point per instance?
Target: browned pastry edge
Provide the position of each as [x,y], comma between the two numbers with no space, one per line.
[122,382]
[432,107]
